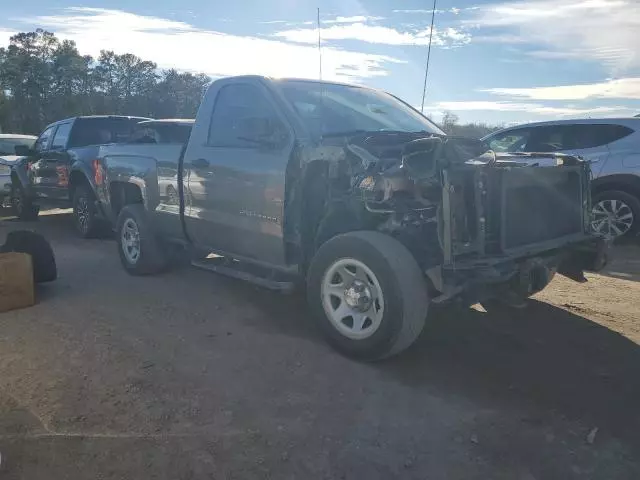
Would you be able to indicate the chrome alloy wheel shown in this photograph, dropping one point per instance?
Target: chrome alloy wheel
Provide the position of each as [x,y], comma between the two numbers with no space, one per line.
[130,241]
[612,218]
[82,214]
[352,298]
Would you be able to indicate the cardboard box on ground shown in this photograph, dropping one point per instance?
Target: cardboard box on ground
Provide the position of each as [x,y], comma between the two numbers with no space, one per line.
[16,281]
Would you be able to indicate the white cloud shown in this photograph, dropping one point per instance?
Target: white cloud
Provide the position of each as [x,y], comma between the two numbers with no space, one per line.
[377,34]
[624,88]
[419,10]
[180,45]
[453,10]
[605,31]
[5,35]
[532,108]
[357,18]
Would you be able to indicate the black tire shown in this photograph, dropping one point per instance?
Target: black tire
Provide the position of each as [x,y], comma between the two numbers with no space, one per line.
[632,202]
[85,214]
[22,206]
[44,262]
[402,284]
[152,257]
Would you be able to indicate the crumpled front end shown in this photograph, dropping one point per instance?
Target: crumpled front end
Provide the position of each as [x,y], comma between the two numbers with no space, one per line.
[477,224]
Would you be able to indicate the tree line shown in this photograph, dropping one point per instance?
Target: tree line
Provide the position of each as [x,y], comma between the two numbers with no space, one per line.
[450,125]
[44,79]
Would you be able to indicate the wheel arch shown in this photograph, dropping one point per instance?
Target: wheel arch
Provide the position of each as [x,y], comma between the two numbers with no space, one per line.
[77,178]
[123,193]
[324,213]
[624,182]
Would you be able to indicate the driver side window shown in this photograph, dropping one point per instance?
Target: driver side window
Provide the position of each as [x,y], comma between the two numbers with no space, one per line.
[237,113]
[43,141]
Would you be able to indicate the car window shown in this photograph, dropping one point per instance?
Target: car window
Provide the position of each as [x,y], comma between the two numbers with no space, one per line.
[234,114]
[510,141]
[149,132]
[8,145]
[597,135]
[102,130]
[552,138]
[61,136]
[44,139]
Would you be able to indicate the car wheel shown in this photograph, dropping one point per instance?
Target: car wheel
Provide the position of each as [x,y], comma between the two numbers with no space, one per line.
[367,294]
[22,206]
[615,213]
[139,249]
[85,213]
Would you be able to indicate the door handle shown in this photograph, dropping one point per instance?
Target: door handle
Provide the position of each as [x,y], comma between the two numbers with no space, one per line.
[200,163]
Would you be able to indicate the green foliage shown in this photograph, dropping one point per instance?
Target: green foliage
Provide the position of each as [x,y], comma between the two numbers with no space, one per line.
[451,126]
[44,79]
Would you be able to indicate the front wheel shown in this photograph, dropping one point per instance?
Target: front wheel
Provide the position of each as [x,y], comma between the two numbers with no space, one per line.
[139,249]
[368,295]
[615,213]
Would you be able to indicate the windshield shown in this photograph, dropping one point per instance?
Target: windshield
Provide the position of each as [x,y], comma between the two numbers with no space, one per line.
[8,145]
[328,109]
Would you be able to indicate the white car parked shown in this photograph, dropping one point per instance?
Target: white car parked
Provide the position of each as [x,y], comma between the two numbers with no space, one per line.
[8,157]
[612,145]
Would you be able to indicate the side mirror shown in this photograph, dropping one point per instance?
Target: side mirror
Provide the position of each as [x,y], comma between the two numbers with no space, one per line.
[23,150]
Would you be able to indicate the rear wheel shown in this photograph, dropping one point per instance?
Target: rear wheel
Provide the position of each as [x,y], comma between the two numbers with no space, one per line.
[22,206]
[85,213]
[615,213]
[368,295]
[140,251]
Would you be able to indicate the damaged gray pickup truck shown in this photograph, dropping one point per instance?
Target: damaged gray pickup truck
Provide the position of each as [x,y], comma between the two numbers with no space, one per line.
[356,195]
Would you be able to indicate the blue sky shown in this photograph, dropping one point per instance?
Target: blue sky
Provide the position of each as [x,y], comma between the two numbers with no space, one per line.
[499,61]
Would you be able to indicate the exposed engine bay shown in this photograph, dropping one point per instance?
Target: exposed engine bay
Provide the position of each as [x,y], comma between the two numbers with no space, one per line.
[458,206]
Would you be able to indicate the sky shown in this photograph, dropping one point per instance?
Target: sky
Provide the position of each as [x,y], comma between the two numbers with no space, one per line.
[500,62]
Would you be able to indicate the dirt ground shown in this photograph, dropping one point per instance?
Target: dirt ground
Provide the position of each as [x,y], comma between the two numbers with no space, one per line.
[190,375]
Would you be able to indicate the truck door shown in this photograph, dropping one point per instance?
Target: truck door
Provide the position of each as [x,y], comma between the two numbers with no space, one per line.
[236,175]
[40,177]
[56,163]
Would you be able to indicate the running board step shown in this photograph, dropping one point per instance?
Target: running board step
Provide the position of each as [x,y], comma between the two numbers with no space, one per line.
[248,273]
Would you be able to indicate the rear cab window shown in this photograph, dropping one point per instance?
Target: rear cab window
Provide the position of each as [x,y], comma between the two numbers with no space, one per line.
[102,130]
[161,132]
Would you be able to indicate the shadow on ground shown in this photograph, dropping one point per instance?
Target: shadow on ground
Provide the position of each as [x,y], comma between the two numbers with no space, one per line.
[625,263]
[549,358]
[543,355]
